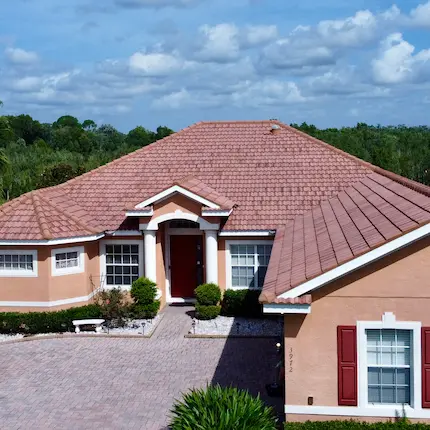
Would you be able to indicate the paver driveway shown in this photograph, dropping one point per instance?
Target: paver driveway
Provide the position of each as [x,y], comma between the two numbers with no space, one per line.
[107,383]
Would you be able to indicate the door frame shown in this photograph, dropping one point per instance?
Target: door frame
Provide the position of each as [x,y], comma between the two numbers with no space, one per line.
[167,260]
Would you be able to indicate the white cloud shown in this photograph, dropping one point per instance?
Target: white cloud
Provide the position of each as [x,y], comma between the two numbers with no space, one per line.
[155,64]
[27,84]
[420,16]
[289,54]
[20,56]
[220,43]
[266,92]
[350,32]
[397,63]
[259,34]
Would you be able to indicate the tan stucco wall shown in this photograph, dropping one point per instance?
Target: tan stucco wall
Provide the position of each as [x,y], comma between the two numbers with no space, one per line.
[400,284]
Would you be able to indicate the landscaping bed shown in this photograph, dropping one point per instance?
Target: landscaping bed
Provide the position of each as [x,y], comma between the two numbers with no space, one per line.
[237,327]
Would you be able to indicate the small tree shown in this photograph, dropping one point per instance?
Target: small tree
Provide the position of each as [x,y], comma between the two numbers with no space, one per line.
[113,305]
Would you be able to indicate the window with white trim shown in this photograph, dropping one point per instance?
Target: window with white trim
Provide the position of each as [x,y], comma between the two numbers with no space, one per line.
[389,366]
[122,264]
[249,265]
[18,263]
[67,261]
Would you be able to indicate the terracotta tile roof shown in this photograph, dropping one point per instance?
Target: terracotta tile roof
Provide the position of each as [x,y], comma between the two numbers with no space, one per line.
[32,217]
[365,215]
[270,177]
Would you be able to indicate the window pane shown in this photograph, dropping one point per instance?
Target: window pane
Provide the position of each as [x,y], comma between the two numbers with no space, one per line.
[22,259]
[388,356]
[109,280]
[127,280]
[134,259]
[235,281]
[109,270]
[117,259]
[374,394]
[134,249]
[135,270]
[403,395]
[118,280]
[403,376]
[117,249]
[388,395]
[234,249]
[234,260]
[134,278]
[126,270]
[109,259]
[241,249]
[250,260]
[118,270]
[388,376]
[15,258]
[109,249]
[72,255]
[242,260]
[126,249]
[250,249]
[8,258]
[403,356]
[235,271]
[403,338]
[388,337]
[373,337]
[374,376]
[372,356]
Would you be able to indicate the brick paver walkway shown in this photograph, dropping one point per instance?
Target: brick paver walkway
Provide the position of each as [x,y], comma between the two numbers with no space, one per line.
[122,383]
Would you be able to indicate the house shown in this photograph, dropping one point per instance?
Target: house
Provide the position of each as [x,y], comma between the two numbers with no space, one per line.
[337,246]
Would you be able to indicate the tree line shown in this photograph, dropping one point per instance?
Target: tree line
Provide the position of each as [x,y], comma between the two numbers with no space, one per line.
[37,155]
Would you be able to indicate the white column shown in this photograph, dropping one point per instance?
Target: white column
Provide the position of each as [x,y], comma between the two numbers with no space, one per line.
[150,254]
[211,256]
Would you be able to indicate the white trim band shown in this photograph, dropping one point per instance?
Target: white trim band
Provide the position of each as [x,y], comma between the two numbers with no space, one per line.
[210,213]
[173,190]
[358,262]
[139,213]
[64,241]
[52,304]
[250,233]
[282,309]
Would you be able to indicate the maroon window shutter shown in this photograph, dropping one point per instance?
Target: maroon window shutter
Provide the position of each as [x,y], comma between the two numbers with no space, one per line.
[425,348]
[347,365]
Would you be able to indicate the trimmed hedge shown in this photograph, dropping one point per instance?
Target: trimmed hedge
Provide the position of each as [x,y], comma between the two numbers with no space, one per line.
[144,291]
[241,303]
[354,425]
[207,312]
[148,311]
[46,322]
[208,294]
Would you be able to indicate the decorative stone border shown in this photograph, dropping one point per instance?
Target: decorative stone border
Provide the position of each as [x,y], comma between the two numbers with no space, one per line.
[69,335]
[236,327]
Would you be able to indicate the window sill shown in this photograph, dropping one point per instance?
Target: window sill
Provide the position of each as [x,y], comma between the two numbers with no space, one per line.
[65,272]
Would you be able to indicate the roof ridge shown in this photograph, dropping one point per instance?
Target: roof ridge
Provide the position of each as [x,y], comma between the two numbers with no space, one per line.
[67,215]
[43,223]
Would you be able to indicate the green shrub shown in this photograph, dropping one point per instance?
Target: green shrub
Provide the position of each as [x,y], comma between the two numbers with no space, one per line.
[113,305]
[207,312]
[143,291]
[46,322]
[147,311]
[226,408]
[208,294]
[241,303]
[354,425]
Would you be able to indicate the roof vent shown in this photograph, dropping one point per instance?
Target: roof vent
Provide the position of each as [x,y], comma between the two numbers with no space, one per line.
[275,128]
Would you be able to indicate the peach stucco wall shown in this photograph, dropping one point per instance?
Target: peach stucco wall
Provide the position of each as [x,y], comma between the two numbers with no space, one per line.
[399,283]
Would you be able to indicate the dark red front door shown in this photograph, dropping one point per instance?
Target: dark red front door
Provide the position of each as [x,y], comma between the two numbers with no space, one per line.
[186,264]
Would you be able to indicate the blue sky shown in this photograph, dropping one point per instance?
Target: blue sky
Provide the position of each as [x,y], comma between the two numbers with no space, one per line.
[176,62]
